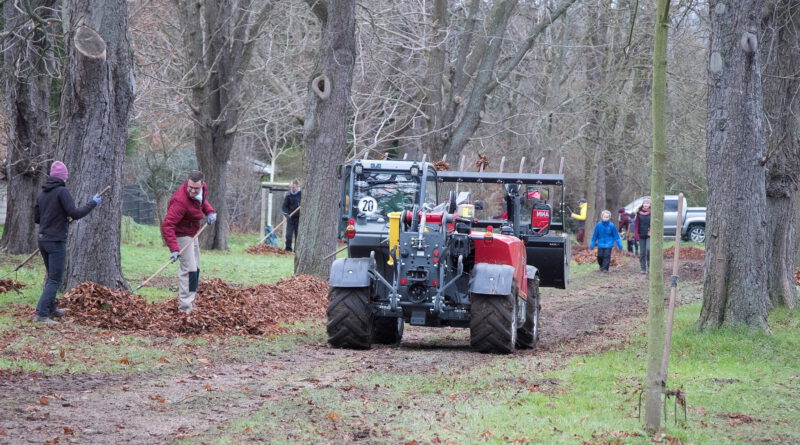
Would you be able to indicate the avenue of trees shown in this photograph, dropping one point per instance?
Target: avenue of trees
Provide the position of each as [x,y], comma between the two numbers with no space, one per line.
[138,92]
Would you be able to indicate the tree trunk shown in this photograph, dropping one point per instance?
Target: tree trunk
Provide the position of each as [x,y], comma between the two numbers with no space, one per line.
[218,38]
[93,131]
[735,287]
[27,91]
[781,61]
[655,307]
[325,135]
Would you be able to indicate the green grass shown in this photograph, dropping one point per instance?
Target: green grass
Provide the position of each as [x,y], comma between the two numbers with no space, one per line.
[740,386]
[143,252]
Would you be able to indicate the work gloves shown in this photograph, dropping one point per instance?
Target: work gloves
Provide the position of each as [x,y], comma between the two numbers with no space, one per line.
[212,218]
[174,256]
[97,199]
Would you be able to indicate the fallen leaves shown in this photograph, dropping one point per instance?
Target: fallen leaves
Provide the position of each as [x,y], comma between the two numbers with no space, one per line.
[220,309]
[687,253]
[265,249]
[9,285]
[43,401]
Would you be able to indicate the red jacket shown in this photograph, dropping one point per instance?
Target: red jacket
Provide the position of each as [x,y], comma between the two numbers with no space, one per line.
[183,216]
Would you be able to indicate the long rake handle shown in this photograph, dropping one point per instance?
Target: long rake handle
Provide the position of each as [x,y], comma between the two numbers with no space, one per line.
[161,269]
[673,292]
[279,224]
[33,254]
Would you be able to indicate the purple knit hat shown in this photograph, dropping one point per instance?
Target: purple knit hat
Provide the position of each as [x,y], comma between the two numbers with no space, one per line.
[59,170]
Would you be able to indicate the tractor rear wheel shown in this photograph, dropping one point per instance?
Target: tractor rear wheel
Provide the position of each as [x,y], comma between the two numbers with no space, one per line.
[387,330]
[528,334]
[349,318]
[493,323]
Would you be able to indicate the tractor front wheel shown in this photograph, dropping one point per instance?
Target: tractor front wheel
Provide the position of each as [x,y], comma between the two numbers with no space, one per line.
[493,323]
[349,318]
[387,330]
[528,334]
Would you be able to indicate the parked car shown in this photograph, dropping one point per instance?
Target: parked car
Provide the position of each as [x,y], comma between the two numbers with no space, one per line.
[693,221]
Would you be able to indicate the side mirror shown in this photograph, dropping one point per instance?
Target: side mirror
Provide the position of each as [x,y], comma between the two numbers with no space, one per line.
[478,205]
[339,171]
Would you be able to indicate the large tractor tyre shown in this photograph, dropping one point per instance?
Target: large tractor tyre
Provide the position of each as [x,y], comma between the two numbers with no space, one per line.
[528,334]
[493,323]
[349,318]
[387,330]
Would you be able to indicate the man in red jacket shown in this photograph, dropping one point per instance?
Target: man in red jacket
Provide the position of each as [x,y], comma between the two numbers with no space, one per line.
[186,208]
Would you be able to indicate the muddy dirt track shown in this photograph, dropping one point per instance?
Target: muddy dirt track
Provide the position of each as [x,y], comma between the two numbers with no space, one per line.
[598,312]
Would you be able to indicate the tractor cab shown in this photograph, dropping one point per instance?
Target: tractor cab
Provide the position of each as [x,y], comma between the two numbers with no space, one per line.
[373,189]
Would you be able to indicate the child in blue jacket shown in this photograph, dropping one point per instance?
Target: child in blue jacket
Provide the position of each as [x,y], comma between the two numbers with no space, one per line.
[604,236]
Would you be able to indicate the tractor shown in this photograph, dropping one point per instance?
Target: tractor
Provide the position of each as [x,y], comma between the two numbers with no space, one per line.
[413,258]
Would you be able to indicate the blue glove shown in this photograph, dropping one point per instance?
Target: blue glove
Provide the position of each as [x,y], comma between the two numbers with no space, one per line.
[212,218]
[97,199]
[174,256]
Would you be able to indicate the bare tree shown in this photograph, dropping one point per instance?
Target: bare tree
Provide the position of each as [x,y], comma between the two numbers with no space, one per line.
[29,67]
[218,39]
[735,287]
[781,60]
[93,131]
[325,133]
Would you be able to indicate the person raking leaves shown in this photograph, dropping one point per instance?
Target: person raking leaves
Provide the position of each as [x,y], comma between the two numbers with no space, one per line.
[53,211]
[186,208]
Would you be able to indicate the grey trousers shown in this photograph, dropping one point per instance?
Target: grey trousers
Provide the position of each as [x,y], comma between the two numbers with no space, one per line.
[189,273]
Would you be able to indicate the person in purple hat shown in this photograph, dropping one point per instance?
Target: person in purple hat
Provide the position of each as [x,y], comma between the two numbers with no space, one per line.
[54,207]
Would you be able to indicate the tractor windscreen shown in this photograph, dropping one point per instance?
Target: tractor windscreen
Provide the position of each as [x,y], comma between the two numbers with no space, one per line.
[379,193]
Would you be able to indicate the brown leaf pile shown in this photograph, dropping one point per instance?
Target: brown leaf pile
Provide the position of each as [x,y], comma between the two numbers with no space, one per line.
[797,276]
[687,253]
[9,285]
[219,308]
[265,249]
[586,256]
[441,165]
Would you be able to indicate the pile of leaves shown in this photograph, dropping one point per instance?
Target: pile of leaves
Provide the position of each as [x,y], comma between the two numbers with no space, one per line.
[687,253]
[586,256]
[265,249]
[9,285]
[797,277]
[219,308]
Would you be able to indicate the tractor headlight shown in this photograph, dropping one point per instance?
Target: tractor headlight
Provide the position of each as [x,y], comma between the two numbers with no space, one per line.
[358,168]
[414,170]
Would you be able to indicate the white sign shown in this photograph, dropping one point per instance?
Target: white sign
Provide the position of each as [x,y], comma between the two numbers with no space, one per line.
[368,205]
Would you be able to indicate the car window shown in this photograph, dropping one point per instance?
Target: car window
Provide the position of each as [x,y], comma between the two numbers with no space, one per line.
[671,205]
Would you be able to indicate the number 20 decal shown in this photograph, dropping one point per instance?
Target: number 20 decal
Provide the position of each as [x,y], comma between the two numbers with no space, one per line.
[368,205]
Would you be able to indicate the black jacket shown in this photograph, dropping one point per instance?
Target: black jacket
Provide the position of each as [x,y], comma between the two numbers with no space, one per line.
[53,205]
[290,203]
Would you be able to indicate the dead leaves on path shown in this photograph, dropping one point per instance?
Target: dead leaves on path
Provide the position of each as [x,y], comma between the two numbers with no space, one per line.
[219,308]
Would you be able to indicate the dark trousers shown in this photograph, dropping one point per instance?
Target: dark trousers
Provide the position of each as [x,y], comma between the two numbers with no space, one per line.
[644,253]
[581,234]
[292,225]
[633,246]
[604,257]
[54,254]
